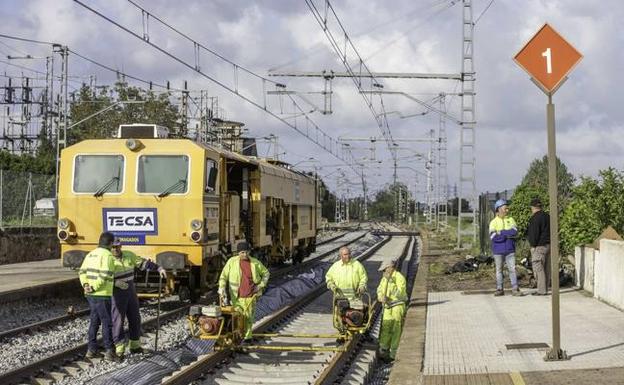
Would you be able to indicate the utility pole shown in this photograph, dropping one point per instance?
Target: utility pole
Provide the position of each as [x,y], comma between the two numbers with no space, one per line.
[442,177]
[467,137]
[61,130]
[184,107]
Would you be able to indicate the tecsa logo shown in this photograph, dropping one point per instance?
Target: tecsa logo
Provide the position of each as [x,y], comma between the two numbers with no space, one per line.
[131,221]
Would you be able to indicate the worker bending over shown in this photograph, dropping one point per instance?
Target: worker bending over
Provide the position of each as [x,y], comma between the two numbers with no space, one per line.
[246,278]
[347,277]
[392,293]
[125,300]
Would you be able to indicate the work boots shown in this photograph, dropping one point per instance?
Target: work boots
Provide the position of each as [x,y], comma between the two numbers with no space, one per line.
[92,354]
[499,292]
[111,356]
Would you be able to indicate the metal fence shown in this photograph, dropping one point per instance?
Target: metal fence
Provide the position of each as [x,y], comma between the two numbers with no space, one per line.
[27,199]
[486,214]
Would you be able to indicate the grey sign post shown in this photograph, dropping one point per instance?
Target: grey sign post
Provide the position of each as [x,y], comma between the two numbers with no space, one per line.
[549,58]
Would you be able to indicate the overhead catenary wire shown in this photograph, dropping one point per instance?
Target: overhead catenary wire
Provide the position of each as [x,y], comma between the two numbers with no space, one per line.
[391,21]
[483,12]
[404,34]
[380,118]
[332,148]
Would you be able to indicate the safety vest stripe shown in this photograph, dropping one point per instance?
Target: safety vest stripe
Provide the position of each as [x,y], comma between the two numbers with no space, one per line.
[124,274]
[394,303]
[98,277]
[91,270]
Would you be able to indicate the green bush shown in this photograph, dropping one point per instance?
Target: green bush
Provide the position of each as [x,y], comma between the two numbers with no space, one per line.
[596,204]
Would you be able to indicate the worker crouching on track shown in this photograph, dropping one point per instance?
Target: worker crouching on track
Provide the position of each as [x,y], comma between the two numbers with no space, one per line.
[347,277]
[392,293]
[246,278]
[125,300]
[96,277]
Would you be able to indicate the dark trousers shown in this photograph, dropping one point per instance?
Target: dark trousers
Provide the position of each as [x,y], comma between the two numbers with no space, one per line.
[100,314]
[126,304]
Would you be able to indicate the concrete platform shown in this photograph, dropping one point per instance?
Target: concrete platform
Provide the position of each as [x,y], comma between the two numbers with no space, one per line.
[470,333]
[35,279]
[455,338]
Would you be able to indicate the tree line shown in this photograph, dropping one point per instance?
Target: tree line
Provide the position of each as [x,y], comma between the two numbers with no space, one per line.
[585,206]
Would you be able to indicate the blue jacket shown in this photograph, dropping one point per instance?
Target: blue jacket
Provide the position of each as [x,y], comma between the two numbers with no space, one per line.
[502,234]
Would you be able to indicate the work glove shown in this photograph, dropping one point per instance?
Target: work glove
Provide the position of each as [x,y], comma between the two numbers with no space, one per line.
[332,287]
[87,288]
[121,285]
[221,293]
[360,290]
[162,272]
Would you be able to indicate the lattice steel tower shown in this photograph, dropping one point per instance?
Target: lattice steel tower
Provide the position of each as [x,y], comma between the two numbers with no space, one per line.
[467,151]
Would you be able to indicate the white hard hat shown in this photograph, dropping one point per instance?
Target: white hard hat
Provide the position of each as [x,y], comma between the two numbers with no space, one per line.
[386,264]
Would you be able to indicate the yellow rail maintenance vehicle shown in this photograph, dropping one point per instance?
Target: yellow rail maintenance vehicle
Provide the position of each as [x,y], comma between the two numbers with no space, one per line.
[184,204]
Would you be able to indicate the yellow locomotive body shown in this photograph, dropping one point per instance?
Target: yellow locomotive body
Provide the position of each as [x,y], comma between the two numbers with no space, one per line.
[183,204]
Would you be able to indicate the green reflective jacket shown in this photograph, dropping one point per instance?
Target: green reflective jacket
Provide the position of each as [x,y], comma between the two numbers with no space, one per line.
[97,270]
[231,275]
[124,266]
[347,277]
[394,289]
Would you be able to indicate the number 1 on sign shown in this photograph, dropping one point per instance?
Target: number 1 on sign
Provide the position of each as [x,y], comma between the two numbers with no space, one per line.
[546,54]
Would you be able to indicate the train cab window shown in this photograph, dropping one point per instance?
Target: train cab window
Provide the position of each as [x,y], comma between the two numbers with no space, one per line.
[98,174]
[163,174]
[211,176]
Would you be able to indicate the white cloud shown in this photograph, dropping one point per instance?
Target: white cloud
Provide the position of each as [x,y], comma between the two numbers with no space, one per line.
[265,34]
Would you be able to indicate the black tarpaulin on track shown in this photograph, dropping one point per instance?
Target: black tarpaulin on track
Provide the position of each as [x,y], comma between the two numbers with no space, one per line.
[152,369]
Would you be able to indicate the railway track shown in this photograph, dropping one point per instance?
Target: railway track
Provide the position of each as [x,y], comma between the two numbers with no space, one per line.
[323,361]
[81,312]
[68,362]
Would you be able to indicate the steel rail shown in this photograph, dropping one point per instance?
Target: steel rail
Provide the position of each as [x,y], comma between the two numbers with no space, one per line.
[35,326]
[77,352]
[205,363]
[342,358]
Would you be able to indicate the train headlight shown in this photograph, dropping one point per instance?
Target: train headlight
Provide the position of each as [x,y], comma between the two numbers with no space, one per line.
[63,235]
[133,144]
[63,223]
[196,236]
[196,224]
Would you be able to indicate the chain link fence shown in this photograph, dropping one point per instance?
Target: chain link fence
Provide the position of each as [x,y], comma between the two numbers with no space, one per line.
[27,200]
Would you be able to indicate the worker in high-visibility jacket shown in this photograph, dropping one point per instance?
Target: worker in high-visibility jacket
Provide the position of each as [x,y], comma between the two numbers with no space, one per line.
[392,293]
[96,278]
[347,277]
[125,299]
[246,279]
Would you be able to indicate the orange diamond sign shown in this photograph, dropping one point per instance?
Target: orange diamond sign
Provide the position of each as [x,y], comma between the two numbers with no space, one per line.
[548,58]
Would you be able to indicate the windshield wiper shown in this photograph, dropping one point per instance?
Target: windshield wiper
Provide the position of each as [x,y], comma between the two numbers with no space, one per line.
[172,188]
[105,187]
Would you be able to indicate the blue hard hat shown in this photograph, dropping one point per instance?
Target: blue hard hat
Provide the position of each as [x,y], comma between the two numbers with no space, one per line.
[499,203]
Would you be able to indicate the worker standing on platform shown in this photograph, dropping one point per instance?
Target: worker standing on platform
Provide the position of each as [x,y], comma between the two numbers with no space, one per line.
[503,232]
[96,277]
[346,277]
[538,235]
[247,278]
[125,299]
[392,293]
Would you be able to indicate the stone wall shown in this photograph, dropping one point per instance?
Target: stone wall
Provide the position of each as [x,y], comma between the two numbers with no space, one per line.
[28,244]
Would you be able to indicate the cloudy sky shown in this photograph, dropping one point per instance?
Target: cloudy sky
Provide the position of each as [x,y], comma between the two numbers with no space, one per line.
[391,36]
